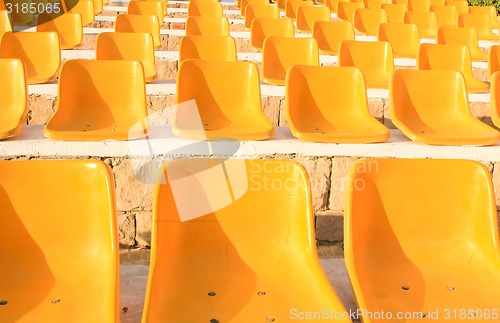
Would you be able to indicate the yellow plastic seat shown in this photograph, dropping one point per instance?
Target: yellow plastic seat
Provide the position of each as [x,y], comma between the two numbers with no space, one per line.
[265,27]
[374,4]
[395,12]
[260,11]
[100,100]
[493,60]
[486,10]
[207,26]
[432,107]
[462,36]
[126,23]
[345,10]
[128,46]
[5,23]
[495,94]
[245,3]
[69,27]
[423,233]
[84,7]
[205,9]
[281,4]
[281,53]
[446,15]
[339,115]
[39,51]
[374,59]
[292,7]
[307,16]
[59,237]
[462,5]
[481,23]
[136,7]
[209,48]
[98,4]
[367,21]
[419,5]
[164,5]
[18,16]
[14,98]
[229,107]
[329,35]
[333,4]
[425,21]
[251,261]
[450,57]
[403,38]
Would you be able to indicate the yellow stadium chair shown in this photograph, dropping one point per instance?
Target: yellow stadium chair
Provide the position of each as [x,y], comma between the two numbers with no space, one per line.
[60,242]
[495,95]
[333,4]
[292,7]
[281,53]
[128,46]
[164,5]
[14,98]
[281,4]
[462,36]
[493,60]
[228,107]
[404,38]
[374,4]
[39,51]
[481,23]
[244,4]
[419,5]
[345,10]
[450,57]
[367,21]
[260,11]
[374,59]
[307,16]
[126,23]
[266,27]
[97,6]
[5,23]
[213,264]
[416,234]
[462,5]
[395,12]
[486,10]
[145,8]
[207,26]
[329,35]
[18,16]
[446,15]
[339,115]
[84,7]
[425,21]
[91,107]
[432,107]
[209,48]
[68,26]
[205,9]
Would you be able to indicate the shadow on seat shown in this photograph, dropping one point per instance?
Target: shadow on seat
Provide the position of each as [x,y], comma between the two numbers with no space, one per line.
[209,48]
[307,16]
[329,35]
[395,12]
[403,38]
[205,9]
[262,28]
[68,26]
[207,26]
[146,8]
[14,98]
[126,23]
[260,11]
[345,10]
[367,21]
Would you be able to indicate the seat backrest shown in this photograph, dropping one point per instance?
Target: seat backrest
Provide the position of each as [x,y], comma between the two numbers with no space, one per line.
[493,60]
[39,51]
[98,6]
[329,35]
[333,4]
[5,22]
[245,3]
[419,5]
[367,56]
[60,242]
[374,4]
[308,15]
[260,11]
[462,5]
[266,27]
[367,21]
[461,36]
[85,8]
[164,5]
[292,6]
[100,100]
[126,23]
[280,53]
[446,15]
[486,10]
[345,10]
[404,38]
[128,46]
[69,27]
[495,90]
[136,7]
[207,26]
[395,12]
[444,57]
[205,9]
[14,98]
[480,22]
[225,271]
[210,48]
[426,22]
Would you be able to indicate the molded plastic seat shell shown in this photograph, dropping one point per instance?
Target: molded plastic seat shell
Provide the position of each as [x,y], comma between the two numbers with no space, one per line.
[69,27]
[292,6]
[345,10]
[419,5]
[462,5]
[333,4]
[425,20]
[307,16]
[207,26]
[446,15]
[367,21]
[228,107]
[432,107]
[395,12]
[92,107]
[374,4]
[245,3]
[403,38]
[260,11]
[146,8]
[205,9]
[85,8]
[329,35]
[486,10]
[14,98]
[462,36]
[126,23]
[265,27]
[493,60]
[209,48]
[339,115]
[481,23]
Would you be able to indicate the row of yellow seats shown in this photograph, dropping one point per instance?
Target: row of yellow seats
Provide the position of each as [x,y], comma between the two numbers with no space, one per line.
[225,242]
[427,106]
